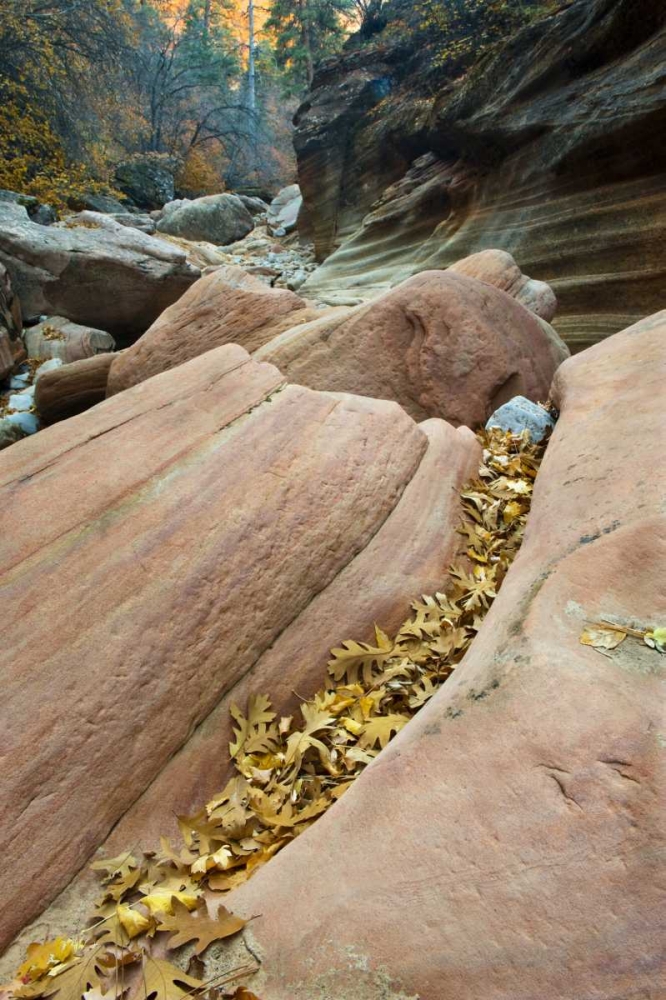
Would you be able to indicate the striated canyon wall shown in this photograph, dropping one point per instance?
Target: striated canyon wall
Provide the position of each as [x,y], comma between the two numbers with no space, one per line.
[552,147]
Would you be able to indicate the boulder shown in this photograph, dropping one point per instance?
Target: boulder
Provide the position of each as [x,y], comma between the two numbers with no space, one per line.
[101,274]
[12,211]
[58,337]
[521,414]
[283,210]
[510,841]
[103,203]
[11,325]
[255,206]
[147,178]
[441,344]
[497,267]
[193,518]
[72,388]
[217,218]
[226,306]
[134,220]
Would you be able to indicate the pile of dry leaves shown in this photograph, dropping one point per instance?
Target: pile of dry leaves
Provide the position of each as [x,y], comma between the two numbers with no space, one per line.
[291,770]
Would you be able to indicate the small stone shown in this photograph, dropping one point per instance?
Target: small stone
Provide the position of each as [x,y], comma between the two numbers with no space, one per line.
[22,400]
[296,280]
[48,366]
[27,422]
[521,414]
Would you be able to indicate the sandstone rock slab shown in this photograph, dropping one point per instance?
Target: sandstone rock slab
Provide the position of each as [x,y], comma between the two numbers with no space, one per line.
[226,306]
[72,388]
[497,267]
[191,519]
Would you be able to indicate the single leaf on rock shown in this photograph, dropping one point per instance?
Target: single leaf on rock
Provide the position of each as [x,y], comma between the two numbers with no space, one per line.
[132,921]
[161,900]
[602,638]
[70,984]
[254,728]
[199,926]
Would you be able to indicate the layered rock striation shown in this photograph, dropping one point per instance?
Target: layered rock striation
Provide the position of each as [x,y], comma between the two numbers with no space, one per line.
[550,149]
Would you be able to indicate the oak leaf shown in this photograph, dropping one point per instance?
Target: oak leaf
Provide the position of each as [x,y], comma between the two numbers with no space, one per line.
[380,729]
[354,658]
[163,981]
[199,926]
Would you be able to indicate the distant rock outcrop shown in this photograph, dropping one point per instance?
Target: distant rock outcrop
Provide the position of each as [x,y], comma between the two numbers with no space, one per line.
[148,179]
[552,149]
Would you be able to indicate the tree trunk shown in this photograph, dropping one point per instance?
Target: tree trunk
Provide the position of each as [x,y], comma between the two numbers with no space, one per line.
[306,39]
[251,64]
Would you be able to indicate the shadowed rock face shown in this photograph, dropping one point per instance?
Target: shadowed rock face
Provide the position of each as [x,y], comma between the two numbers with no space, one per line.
[552,150]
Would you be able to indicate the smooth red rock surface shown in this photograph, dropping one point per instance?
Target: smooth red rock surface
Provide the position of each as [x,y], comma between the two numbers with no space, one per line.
[441,344]
[221,308]
[510,843]
[152,550]
[408,556]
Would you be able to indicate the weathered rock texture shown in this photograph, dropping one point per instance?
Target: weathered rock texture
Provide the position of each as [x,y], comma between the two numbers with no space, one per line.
[11,325]
[110,277]
[551,150]
[73,388]
[441,344]
[191,520]
[407,556]
[510,841]
[58,337]
[226,306]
